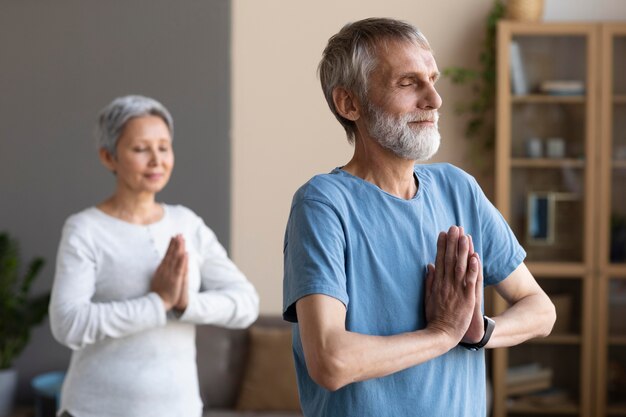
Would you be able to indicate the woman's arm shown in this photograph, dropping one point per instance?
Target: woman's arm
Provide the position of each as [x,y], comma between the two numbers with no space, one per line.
[77,321]
[226,297]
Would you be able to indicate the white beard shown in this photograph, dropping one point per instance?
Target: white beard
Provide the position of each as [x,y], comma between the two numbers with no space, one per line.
[417,143]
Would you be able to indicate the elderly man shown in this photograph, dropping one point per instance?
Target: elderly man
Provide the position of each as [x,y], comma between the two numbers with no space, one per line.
[386,260]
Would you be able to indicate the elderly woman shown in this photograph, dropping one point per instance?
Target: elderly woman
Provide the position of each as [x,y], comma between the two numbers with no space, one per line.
[135,276]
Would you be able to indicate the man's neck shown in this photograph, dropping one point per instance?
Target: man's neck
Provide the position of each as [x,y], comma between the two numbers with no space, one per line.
[383,168]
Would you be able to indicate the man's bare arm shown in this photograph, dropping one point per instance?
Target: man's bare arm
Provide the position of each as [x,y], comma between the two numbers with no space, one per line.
[530,314]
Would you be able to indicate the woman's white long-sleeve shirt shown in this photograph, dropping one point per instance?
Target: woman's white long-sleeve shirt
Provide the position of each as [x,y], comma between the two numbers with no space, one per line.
[131,358]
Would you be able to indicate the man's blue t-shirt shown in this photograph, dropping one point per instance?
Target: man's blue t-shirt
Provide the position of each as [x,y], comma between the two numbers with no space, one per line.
[348,239]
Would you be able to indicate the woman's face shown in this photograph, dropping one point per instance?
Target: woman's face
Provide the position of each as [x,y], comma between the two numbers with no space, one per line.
[145,157]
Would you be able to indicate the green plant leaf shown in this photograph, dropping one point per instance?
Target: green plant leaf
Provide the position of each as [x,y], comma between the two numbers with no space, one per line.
[19,312]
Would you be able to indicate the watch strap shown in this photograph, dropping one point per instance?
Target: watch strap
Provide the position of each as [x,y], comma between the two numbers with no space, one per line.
[490,324]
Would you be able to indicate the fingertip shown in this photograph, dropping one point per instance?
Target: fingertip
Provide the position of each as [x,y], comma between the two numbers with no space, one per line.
[474,264]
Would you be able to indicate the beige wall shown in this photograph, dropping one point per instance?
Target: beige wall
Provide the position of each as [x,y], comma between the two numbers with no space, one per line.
[282,130]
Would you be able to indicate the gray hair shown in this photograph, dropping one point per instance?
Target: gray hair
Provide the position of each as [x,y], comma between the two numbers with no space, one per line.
[116,114]
[350,57]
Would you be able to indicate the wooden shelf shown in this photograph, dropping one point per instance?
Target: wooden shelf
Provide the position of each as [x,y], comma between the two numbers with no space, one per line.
[617,340]
[619,99]
[548,99]
[619,163]
[617,271]
[547,163]
[525,408]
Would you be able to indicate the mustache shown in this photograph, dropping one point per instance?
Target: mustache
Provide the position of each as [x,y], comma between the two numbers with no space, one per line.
[422,116]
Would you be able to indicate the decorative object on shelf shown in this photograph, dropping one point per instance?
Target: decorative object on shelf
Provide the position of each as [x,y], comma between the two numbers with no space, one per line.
[19,313]
[540,229]
[555,148]
[524,10]
[562,87]
[620,152]
[541,226]
[534,147]
[481,108]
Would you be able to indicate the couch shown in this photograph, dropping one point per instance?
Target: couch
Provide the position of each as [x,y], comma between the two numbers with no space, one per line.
[248,372]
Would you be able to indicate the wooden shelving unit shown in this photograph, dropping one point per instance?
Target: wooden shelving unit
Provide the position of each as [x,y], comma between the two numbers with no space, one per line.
[584,257]
[564,263]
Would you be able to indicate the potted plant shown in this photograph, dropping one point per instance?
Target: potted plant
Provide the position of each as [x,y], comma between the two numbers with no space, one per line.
[19,313]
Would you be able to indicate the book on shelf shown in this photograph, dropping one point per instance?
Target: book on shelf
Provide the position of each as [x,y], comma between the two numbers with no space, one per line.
[519,85]
[525,379]
[548,398]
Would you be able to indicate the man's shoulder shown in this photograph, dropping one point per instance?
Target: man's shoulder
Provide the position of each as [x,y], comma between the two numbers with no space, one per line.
[324,188]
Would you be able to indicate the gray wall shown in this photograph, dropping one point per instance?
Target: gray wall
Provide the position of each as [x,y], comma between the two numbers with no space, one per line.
[60,63]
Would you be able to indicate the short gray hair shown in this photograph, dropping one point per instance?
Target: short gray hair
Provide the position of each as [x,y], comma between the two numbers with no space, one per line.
[116,114]
[350,57]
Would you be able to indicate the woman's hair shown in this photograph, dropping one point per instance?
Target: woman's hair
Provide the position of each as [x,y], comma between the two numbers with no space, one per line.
[114,116]
[350,57]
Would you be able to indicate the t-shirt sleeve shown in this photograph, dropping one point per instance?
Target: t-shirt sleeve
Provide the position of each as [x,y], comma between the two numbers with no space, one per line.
[314,255]
[501,251]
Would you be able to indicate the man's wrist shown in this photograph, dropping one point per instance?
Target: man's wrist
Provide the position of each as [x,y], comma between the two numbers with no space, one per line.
[490,325]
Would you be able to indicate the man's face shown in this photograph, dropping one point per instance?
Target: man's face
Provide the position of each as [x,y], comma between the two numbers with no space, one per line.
[401,112]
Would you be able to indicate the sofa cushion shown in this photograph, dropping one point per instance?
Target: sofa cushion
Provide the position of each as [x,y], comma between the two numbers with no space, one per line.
[221,361]
[269,382]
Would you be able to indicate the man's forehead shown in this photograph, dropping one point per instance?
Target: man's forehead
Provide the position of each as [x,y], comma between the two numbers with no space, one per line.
[404,56]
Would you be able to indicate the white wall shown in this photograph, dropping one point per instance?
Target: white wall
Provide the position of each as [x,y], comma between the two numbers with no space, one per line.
[283,132]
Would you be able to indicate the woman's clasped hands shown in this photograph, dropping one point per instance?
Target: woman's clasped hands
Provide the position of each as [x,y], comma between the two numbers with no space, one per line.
[170,280]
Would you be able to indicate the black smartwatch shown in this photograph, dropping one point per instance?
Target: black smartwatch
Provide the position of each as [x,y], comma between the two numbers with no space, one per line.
[489,326]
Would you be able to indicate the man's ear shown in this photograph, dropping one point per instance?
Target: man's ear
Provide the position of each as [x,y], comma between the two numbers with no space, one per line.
[346,104]
[107,159]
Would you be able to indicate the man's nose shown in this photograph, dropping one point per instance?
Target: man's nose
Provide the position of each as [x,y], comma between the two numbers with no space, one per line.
[430,100]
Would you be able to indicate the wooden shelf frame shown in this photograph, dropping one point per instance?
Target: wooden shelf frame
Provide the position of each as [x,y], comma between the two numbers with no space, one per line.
[607,270]
[548,99]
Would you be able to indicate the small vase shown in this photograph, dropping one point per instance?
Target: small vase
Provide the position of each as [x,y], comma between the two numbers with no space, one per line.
[8,386]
